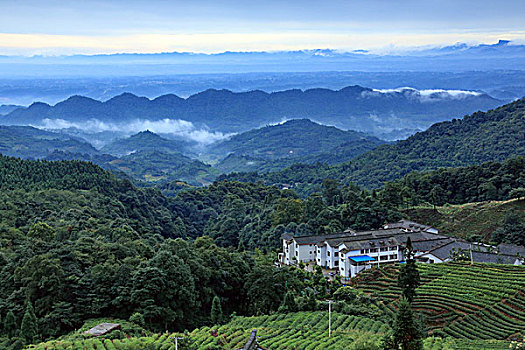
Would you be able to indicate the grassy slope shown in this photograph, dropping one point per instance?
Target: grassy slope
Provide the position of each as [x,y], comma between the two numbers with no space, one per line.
[464,220]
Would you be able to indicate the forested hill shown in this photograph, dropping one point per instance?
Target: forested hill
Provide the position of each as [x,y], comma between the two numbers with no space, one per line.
[143,141]
[292,139]
[29,142]
[353,107]
[80,197]
[494,135]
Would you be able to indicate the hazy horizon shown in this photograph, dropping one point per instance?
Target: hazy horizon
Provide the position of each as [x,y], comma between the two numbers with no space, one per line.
[51,27]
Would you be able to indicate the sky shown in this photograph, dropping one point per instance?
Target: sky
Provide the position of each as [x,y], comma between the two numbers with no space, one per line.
[52,27]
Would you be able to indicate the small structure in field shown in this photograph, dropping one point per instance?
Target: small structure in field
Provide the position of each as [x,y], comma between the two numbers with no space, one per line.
[103,329]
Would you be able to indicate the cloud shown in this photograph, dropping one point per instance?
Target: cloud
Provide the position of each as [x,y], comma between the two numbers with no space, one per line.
[215,42]
[427,95]
[176,127]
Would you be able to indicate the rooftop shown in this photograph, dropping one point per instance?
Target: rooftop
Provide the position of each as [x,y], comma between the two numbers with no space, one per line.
[409,225]
[103,328]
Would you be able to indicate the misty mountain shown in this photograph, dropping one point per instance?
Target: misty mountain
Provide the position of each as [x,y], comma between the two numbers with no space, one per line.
[502,84]
[299,140]
[353,108]
[292,139]
[481,137]
[143,141]
[29,142]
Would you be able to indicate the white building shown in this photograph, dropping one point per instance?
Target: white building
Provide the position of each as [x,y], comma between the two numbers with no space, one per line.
[349,252]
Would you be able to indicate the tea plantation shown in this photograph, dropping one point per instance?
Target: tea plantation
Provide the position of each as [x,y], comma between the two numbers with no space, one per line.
[302,330]
[483,301]
[465,307]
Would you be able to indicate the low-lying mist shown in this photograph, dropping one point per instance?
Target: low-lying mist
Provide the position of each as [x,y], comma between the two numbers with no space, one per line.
[100,133]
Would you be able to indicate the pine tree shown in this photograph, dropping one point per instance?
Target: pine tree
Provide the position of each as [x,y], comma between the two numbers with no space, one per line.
[407,333]
[10,324]
[29,327]
[409,279]
[216,311]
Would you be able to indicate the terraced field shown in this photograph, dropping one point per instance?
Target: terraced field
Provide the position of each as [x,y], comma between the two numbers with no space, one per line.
[484,301]
[466,307]
[301,331]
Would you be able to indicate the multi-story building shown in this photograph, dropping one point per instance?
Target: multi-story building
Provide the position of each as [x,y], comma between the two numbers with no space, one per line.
[348,253]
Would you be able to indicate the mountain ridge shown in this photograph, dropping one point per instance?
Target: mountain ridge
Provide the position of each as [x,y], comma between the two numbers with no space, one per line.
[351,108]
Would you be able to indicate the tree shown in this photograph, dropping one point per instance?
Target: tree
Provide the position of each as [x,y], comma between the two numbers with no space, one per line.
[512,230]
[216,311]
[331,191]
[10,324]
[42,231]
[346,294]
[437,195]
[407,333]
[517,193]
[29,327]
[137,318]
[409,279]
[289,304]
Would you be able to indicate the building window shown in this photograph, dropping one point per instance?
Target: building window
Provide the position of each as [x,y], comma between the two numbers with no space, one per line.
[296,253]
[336,263]
[393,257]
[336,254]
[328,253]
[383,257]
[373,250]
[362,251]
[384,249]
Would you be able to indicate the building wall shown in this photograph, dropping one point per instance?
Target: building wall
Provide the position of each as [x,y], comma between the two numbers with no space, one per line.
[305,252]
[288,252]
[321,255]
[332,257]
[431,258]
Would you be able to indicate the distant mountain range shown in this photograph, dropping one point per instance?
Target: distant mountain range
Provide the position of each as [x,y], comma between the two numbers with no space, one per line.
[324,151]
[483,136]
[352,108]
[6,109]
[459,57]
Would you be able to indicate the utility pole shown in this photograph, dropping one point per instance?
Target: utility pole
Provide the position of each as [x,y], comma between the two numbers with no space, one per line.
[176,341]
[329,318]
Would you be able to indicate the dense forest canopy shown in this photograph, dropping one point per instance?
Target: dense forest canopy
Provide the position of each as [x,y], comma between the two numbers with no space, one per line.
[77,243]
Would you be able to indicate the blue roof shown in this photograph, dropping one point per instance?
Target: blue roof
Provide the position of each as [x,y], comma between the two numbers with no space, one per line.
[361,258]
